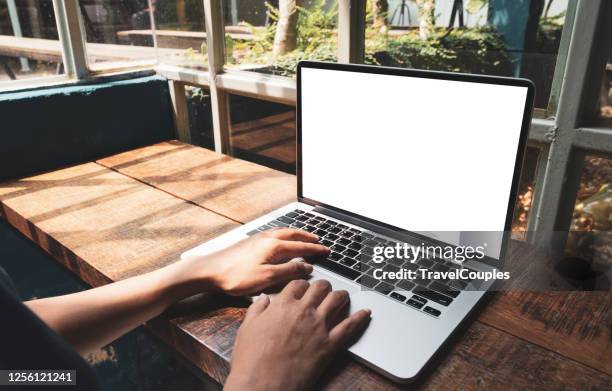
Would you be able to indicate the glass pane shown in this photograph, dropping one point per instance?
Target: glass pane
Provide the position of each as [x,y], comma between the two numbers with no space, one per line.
[604,104]
[497,37]
[263,132]
[180,32]
[200,117]
[29,45]
[271,37]
[522,209]
[118,32]
[589,237]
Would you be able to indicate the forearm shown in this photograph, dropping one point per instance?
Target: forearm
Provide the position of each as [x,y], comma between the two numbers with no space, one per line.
[91,319]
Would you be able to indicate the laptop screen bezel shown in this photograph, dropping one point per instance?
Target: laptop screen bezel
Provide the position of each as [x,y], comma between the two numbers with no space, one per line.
[367,69]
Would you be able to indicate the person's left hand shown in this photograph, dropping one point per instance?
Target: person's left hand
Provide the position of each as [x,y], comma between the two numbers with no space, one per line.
[258,262]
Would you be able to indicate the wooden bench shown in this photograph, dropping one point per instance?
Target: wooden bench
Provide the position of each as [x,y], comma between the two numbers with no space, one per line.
[175,39]
[50,50]
[137,211]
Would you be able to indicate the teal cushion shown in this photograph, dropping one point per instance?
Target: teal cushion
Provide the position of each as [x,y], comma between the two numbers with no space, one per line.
[48,128]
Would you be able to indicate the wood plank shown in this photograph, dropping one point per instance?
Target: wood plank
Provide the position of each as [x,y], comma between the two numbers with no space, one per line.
[542,306]
[272,137]
[234,188]
[50,50]
[103,225]
[575,324]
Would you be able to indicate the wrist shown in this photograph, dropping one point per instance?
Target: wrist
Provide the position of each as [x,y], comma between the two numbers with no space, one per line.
[187,277]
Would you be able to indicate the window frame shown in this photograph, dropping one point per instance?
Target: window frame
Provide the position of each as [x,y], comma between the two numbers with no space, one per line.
[557,131]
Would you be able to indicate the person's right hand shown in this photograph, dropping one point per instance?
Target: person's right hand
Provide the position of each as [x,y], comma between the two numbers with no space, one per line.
[286,343]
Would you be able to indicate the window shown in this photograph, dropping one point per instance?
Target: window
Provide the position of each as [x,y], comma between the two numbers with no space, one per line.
[118,33]
[200,117]
[263,132]
[522,209]
[180,33]
[495,37]
[29,45]
[603,112]
[589,231]
[270,39]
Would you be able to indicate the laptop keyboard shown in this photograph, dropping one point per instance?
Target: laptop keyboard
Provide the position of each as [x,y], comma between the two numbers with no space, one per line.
[351,257]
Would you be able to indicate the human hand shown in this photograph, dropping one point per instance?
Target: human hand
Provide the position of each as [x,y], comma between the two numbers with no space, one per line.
[258,262]
[287,343]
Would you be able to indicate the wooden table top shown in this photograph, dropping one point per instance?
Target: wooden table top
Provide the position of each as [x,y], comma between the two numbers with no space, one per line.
[137,211]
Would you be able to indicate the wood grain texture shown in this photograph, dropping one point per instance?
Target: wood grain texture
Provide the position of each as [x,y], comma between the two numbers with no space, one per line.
[272,137]
[103,225]
[233,188]
[542,306]
[480,357]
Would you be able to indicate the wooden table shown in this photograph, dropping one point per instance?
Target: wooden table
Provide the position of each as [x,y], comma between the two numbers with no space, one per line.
[137,211]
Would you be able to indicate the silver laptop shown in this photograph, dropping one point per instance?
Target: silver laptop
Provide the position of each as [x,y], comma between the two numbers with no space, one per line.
[391,156]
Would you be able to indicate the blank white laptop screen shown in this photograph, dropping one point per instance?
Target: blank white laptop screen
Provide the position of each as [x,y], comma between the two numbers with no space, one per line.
[424,155]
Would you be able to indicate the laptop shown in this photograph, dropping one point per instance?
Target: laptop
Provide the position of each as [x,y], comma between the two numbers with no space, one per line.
[391,157]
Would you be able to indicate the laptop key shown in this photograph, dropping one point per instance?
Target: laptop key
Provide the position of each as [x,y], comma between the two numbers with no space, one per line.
[431,311]
[350,253]
[278,224]
[367,281]
[370,242]
[383,287]
[337,247]
[298,224]
[419,299]
[441,268]
[309,228]
[323,226]
[458,284]
[396,261]
[334,256]
[319,232]
[331,236]
[438,287]
[355,246]
[292,214]
[405,285]
[326,242]
[367,235]
[334,230]
[286,219]
[297,211]
[415,304]
[433,296]
[342,270]
[346,234]
[302,218]
[343,241]
[346,261]
[398,296]
[265,227]
[253,232]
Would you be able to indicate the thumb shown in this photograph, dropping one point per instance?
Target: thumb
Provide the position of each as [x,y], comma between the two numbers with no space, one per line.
[292,270]
[261,303]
